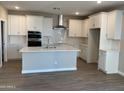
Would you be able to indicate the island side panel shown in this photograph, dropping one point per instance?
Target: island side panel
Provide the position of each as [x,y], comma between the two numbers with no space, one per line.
[66,60]
[33,62]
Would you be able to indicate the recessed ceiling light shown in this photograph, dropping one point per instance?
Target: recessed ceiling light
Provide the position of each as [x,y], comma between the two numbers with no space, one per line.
[99,2]
[76,13]
[16,7]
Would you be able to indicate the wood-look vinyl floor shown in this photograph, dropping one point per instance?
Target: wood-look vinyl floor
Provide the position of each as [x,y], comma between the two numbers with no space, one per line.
[86,78]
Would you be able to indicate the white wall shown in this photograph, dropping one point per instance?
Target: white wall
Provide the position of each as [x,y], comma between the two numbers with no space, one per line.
[3,13]
[3,17]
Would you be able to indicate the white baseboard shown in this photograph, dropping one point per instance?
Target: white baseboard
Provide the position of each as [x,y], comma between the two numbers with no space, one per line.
[47,70]
[121,73]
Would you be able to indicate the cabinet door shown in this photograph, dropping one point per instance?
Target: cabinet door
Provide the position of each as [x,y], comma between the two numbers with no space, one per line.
[92,22]
[47,26]
[114,26]
[72,28]
[75,28]
[22,27]
[110,26]
[47,30]
[95,21]
[13,21]
[112,61]
[86,28]
[98,21]
[85,53]
[16,25]
[102,60]
[34,23]
[82,52]
[13,51]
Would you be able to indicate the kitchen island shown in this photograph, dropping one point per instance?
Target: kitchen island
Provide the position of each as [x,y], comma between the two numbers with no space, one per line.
[39,59]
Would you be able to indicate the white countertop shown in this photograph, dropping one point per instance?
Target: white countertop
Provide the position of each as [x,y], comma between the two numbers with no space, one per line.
[82,44]
[41,49]
[110,50]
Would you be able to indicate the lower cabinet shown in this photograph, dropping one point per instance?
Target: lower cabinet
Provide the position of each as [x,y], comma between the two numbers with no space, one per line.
[108,61]
[102,60]
[15,43]
[13,51]
[84,52]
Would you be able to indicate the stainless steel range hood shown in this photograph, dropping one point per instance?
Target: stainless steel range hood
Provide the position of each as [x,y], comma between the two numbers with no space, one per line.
[60,23]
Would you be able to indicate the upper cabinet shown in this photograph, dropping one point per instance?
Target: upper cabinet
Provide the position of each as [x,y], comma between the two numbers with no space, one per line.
[85,27]
[95,21]
[16,25]
[34,23]
[114,25]
[47,26]
[76,28]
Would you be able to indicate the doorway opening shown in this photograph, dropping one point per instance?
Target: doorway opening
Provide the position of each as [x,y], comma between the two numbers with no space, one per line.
[2,41]
[94,42]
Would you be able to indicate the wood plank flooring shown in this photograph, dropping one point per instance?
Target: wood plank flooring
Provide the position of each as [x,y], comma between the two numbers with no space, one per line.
[86,78]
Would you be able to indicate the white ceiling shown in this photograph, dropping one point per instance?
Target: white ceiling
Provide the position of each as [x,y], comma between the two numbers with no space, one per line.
[67,7]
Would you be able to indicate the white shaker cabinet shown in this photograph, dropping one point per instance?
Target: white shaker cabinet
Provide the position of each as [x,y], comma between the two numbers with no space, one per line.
[84,52]
[114,25]
[47,26]
[47,30]
[102,60]
[75,28]
[13,51]
[95,21]
[16,25]
[85,28]
[34,23]
[108,61]
[22,25]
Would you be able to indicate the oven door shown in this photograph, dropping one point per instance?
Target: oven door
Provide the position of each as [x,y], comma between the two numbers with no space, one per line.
[34,36]
[34,44]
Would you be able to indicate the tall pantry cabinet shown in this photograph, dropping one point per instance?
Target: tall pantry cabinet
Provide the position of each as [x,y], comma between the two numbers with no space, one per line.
[109,52]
